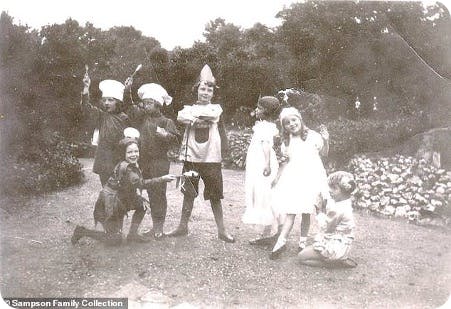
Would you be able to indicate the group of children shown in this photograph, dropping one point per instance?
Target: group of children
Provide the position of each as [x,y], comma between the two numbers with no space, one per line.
[276,194]
[129,160]
[131,156]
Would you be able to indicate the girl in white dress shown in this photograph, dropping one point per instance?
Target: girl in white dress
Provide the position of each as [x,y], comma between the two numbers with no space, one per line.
[261,169]
[302,179]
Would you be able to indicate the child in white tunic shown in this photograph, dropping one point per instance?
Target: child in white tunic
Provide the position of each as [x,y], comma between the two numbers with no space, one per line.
[261,169]
[302,179]
[331,246]
[205,143]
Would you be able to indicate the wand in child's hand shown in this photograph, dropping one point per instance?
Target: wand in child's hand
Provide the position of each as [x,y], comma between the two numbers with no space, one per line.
[86,72]
[136,70]
[86,80]
[129,80]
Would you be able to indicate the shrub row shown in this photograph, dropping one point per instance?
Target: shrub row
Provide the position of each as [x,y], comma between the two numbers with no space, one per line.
[350,137]
[51,166]
[347,138]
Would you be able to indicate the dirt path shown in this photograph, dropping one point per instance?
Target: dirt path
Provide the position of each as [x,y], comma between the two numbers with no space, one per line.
[400,265]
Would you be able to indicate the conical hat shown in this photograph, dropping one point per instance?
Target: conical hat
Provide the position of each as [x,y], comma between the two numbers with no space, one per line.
[206,75]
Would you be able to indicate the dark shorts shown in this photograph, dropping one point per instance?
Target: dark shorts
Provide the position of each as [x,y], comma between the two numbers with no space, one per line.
[211,174]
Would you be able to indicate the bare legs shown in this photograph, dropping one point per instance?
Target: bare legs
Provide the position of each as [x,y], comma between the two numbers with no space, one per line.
[279,247]
[305,227]
[187,208]
[216,207]
[310,257]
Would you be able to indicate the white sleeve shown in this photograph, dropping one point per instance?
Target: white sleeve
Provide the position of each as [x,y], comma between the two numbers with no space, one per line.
[318,141]
[185,115]
[283,149]
[210,112]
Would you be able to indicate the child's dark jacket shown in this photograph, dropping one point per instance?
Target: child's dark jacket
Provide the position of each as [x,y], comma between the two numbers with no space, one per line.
[119,194]
[111,127]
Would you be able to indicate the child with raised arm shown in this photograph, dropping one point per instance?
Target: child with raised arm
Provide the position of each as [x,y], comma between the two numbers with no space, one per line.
[111,123]
[302,179]
[261,169]
[158,134]
[332,244]
[121,194]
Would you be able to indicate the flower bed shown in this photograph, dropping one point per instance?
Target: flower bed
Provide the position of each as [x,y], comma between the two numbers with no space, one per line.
[402,186]
[238,144]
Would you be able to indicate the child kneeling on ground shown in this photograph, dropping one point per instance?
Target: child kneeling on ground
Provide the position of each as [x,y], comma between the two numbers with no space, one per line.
[332,244]
[120,195]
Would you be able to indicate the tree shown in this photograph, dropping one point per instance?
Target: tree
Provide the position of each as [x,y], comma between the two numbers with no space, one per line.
[368,49]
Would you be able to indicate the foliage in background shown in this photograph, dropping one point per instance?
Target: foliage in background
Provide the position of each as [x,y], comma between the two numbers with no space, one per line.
[40,168]
[347,137]
[391,57]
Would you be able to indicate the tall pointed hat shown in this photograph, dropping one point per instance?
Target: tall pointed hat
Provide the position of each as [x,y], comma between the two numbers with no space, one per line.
[206,76]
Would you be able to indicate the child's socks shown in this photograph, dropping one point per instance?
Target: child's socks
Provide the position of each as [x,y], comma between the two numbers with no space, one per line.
[302,242]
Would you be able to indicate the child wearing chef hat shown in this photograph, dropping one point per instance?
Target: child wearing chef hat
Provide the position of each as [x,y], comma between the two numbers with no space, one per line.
[111,122]
[158,135]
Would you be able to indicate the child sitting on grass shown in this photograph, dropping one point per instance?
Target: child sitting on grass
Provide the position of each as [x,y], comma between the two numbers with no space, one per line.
[332,244]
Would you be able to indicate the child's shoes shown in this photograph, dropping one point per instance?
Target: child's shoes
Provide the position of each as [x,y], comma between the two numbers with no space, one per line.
[279,248]
[78,234]
[180,231]
[348,263]
[153,234]
[274,255]
[302,244]
[264,241]
[226,237]
[158,236]
[135,237]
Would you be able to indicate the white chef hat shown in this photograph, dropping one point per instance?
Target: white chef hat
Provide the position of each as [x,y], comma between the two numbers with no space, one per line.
[155,92]
[131,133]
[112,89]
